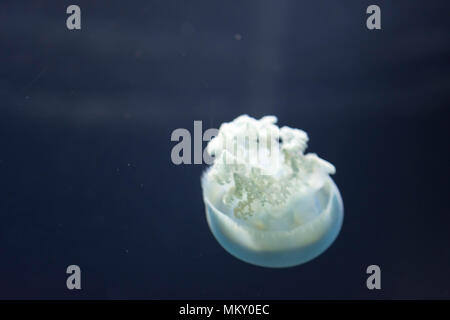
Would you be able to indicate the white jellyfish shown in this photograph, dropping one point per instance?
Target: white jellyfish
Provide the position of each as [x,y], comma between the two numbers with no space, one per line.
[268,203]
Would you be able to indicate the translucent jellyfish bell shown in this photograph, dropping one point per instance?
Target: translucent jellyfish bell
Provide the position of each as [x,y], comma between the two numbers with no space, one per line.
[268,203]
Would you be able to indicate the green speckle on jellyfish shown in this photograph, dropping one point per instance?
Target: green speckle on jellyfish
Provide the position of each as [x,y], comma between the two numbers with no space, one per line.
[268,203]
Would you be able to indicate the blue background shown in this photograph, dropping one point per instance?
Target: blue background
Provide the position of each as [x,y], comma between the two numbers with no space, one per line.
[86,117]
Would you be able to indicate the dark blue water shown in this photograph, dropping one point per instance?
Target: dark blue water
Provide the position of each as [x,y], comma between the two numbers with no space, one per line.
[86,117]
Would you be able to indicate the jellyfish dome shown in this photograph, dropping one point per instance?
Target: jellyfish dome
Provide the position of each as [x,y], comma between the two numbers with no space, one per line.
[267,202]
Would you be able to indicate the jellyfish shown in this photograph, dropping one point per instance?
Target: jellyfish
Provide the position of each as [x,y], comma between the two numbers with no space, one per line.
[267,202]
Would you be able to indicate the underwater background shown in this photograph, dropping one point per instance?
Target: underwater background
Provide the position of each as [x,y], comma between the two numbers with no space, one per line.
[86,176]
